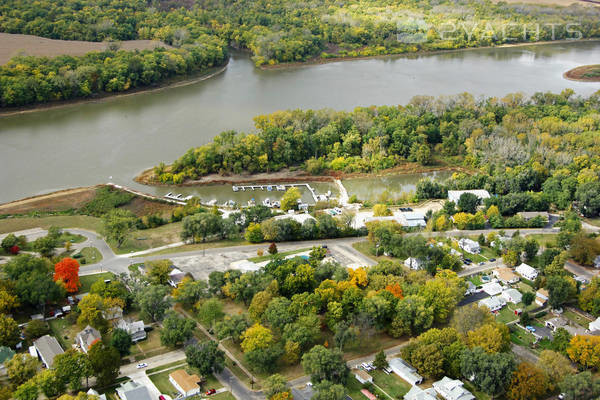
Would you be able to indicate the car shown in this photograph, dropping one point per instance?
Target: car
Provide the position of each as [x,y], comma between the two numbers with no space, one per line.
[210,391]
[337,210]
[561,396]
[309,384]
[161,397]
[481,263]
[492,259]
[469,260]
[142,365]
[530,328]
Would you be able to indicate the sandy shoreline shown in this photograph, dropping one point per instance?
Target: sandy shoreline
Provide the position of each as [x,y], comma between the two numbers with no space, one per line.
[576,74]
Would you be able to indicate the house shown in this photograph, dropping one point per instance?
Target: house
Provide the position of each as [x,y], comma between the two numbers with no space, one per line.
[416,393]
[87,337]
[541,297]
[185,383]
[556,323]
[362,376]
[527,271]
[505,275]
[471,288]
[594,326]
[413,263]
[112,313]
[92,392]
[47,347]
[454,195]
[133,391]
[134,328]
[492,288]
[492,303]
[412,219]
[512,296]
[529,215]
[452,389]
[300,218]
[175,277]
[405,371]
[368,394]
[597,262]
[469,246]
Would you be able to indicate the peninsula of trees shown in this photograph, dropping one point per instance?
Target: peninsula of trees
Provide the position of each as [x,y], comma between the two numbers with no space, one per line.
[274,31]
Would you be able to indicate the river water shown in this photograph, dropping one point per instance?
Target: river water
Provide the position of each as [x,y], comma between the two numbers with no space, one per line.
[114,140]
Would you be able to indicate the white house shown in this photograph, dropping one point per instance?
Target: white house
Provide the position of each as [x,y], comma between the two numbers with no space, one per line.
[469,246]
[512,296]
[541,297]
[492,288]
[87,337]
[556,323]
[185,383]
[362,376]
[492,303]
[416,393]
[134,328]
[47,348]
[597,262]
[405,371]
[527,271]
[412,219]
[594,326]
[452,389]
[413,263]
[175,277]
[454,195]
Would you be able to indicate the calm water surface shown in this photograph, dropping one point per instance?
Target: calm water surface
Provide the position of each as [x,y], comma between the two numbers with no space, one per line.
[114,140]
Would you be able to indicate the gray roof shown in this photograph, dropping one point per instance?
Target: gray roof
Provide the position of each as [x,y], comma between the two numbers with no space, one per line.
[452,389]
[88,336]
[48,347]
[416,393]
[133,391]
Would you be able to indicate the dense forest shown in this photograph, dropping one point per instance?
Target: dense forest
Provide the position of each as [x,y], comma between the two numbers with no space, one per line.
[274,31]
[549,142]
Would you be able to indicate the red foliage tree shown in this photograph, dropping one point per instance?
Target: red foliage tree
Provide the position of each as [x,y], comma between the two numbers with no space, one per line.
[15,249]
[67,271]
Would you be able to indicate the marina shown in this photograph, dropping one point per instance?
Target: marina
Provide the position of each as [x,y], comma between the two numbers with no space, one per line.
[269,188]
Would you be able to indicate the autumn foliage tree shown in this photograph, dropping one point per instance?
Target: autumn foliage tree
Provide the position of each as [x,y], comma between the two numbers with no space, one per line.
[585,350]
[67,271]
[528,383]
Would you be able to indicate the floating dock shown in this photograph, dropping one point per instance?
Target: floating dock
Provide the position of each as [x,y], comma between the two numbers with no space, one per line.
[281,188]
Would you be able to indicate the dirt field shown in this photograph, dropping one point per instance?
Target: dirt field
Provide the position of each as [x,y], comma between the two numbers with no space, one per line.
[57,201]
[14,44]
[141,206]
[578,74]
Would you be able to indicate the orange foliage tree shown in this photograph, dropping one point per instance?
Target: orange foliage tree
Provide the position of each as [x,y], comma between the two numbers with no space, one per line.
[67,271]
[396,290]
[528,383]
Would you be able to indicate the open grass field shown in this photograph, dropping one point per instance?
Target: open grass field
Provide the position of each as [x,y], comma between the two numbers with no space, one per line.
[390,383]
[15,44]
[91,255]
[283,254]
[57,201]
[149,238]
[88,280]
[200,246]
[367,249]
[62,221]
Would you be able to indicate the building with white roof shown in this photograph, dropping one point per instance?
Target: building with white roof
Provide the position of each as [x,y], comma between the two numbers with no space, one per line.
[492,303]
[594,326]
[454,195]
[452,389]
[412,219]
[469,245]
[133,391]
[492,288]
[47,348]
[405,371]
[134,328]
[512,296]
[300,218]
[416,393]
[527,271]
[413,263]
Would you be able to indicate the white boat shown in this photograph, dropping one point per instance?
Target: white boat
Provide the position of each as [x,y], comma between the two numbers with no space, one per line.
[168,195]
[281,188]
[179,196]
[212,202]
[186,198]
[267,202]
[276,204]
[235,188]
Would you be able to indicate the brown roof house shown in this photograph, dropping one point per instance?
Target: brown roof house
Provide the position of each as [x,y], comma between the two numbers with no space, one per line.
[185,383]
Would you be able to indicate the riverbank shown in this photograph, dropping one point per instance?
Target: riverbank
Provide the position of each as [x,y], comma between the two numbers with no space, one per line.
[289,176]
[319,61]
[105,96]
[584,73]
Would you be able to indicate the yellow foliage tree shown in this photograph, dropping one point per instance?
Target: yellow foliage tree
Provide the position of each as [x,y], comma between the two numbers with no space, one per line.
[256,337]
[585,350]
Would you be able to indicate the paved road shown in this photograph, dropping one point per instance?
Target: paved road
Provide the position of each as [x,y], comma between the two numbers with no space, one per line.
[156,361]
[524,353]
[579,270]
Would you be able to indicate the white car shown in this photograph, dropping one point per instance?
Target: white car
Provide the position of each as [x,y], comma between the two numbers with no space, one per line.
[337,210]
[142,365]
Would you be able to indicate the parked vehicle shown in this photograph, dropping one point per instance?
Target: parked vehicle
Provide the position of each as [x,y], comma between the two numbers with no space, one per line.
[142,365]
[492,259]
[530,328]
[211,391]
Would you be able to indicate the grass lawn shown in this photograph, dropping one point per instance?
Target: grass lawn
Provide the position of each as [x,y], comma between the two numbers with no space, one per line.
[88,280]
[391,384]
[478,394]
[149,347]
[475,280]
[506,315]
[223,396]
[149,238]
[91,255]
[545,240]
[165,367]
[64,331]
[283,254]
[161,380]
[593,221]
[367,249]
[62,221]
[200,246]
[578,319]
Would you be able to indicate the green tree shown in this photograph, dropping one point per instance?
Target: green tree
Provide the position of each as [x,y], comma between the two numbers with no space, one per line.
[560,289]
[35,329]
[153,301]
[9,331]
[555,366]
[27,391]
[210,311]
[582,386]
[323,364]
[189,291]
[72,367]
[275,384]
[490,373]
[468,202]
[45,246]
[412,317]
[232,326]
[117,224]
[326,390]
[206,357]
[176,330]
[380,361]
[9,241]
[528,298]
[200,225]
[105,362]
[121,340]
[21,367]
[158,271]
[254,233]
[289,201]
[50,383]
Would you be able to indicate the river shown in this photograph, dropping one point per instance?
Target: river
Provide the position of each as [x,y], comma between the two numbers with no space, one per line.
[113,140]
